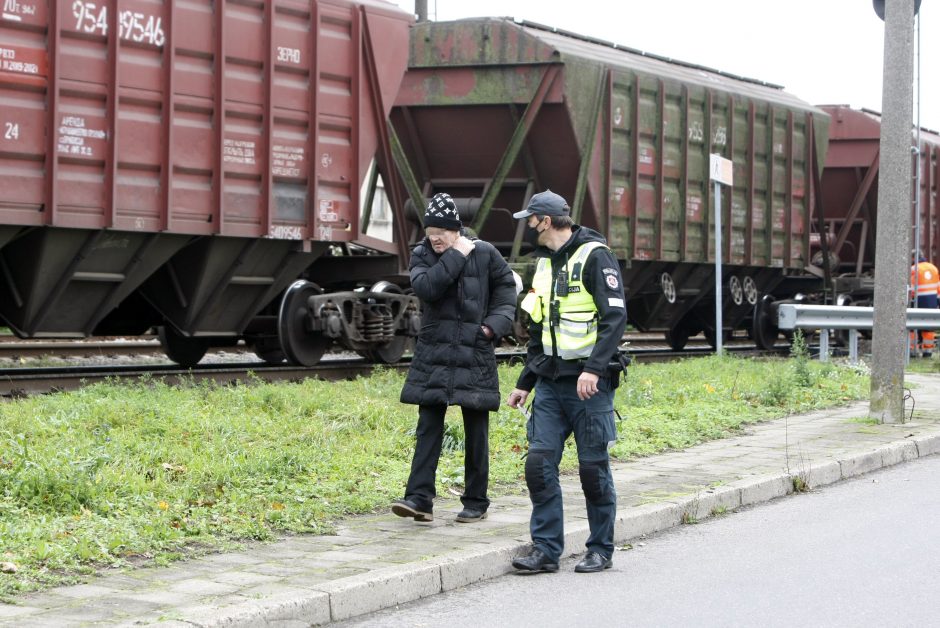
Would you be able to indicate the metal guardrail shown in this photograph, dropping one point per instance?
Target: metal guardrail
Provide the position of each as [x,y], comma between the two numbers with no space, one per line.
[845,317]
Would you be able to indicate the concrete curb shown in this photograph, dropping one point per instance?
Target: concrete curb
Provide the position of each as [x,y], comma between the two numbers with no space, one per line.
[383,588]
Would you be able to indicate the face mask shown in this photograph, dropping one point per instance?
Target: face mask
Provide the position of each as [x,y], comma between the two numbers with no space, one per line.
[531,235]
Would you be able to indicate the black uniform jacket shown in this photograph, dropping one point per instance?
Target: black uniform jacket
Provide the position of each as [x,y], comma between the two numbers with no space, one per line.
[454,362]
[601,276]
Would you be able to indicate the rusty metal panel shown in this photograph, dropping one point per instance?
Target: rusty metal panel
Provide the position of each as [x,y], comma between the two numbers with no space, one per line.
[642,168]
[248,118]
[850,189]
[128,127]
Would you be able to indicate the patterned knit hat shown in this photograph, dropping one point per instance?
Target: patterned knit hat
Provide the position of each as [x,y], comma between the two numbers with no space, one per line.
[442,212]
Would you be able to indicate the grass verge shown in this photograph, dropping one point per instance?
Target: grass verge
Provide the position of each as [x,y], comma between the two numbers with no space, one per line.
[115,474]
[923,365]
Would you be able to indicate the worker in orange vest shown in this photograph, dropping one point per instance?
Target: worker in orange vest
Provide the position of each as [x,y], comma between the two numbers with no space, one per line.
[925,281]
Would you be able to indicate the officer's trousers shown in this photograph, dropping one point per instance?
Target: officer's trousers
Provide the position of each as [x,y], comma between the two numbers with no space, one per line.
[556,413]
[923,340]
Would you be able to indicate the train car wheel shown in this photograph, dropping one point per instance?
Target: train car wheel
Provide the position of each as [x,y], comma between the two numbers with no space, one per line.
[391,352]
[268,348]
[678,336]
[300,345]
[668,286]
[750,290]
[712,339]
[764,324]
[736,290]
[184,350]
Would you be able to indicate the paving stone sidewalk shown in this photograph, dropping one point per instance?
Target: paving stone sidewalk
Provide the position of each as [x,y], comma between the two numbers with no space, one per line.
[378,561]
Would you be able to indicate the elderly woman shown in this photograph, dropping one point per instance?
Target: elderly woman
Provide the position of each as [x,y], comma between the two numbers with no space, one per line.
[468,298]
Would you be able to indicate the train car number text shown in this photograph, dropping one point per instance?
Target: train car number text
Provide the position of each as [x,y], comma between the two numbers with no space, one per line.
[133,25]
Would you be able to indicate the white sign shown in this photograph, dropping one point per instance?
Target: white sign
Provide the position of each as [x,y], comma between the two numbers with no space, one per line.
[721,169]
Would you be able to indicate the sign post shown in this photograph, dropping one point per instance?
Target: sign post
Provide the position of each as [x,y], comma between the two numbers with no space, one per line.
[720,171]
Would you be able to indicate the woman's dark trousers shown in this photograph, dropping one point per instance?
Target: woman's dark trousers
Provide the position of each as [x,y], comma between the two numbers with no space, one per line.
[430,435]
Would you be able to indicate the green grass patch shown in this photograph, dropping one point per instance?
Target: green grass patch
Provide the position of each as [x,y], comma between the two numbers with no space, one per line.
[676,405]
[923,365]
[117,474]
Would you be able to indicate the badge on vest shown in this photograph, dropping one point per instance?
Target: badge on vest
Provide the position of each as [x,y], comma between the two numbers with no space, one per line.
[572,289]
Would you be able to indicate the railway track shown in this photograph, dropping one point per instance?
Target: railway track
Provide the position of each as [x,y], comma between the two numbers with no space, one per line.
[16,352]
[23,381]
[15,349]
[30,381]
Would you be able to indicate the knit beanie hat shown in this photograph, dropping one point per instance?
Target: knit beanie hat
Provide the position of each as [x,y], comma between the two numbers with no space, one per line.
[442,212]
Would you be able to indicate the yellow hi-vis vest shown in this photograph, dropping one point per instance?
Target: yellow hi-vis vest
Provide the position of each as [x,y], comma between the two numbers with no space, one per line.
[575,328]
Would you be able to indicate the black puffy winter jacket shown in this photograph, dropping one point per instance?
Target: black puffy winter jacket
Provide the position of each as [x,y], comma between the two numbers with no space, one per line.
[454,362]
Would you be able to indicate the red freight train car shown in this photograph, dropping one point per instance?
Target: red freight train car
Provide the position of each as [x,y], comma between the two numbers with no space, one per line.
[850,200]
[493,110]
[181,163]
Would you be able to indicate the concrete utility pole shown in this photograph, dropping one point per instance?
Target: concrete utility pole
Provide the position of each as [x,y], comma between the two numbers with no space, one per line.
[421,10]
[893,236]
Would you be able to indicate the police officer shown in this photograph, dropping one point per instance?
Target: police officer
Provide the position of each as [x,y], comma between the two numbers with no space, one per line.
[578,315]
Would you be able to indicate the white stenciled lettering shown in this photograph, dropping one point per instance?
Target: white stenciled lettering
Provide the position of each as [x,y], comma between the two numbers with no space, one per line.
[132,25]
[328,211]
[281,171]
[14,10]
[286,160]
[12,131]
[288,55]
[9,63]
[721,136]
[238,152]
[286,232]
[73,132]
[11,10]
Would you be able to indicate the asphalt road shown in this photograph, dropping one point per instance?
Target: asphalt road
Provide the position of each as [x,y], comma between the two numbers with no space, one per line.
[865,552]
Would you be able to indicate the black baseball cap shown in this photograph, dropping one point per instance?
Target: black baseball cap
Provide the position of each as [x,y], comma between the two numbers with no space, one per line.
[545,203]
